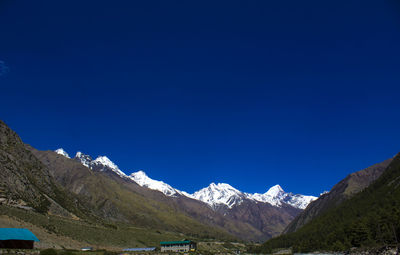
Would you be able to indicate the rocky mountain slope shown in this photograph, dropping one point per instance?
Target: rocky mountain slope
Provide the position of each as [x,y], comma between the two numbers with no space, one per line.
[27,183]
[342,191]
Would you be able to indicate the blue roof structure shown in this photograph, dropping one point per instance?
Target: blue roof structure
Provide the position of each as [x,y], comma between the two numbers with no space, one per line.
[140,249]
[17,234]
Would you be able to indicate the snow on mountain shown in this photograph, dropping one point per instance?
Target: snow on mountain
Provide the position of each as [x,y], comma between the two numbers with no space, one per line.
[299,201]
[102,162]
[224,194]
[83,158]
[62,152]
[219,194]
[143,180]
[273,196]
[276,196]
[214,195]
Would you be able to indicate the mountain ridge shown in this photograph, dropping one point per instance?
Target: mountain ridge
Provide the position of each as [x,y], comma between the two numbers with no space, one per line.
[340,192]
[215,195]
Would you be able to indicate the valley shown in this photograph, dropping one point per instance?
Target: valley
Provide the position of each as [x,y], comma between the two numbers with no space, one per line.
[78,202]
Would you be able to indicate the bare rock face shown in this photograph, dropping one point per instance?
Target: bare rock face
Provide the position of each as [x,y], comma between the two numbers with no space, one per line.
[342,191]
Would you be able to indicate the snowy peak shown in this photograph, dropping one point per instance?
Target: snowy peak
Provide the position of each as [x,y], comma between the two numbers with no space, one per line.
[143,180]
[104,161]
[219,194]
[275,191]
[83,158]
[276,196]
[101,164]
[62,152]
[224,194]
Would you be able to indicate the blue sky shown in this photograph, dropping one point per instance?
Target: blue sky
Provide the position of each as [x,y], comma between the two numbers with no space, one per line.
[251,93]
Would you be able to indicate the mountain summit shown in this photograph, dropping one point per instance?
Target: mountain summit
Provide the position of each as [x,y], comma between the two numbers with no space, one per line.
[219,194]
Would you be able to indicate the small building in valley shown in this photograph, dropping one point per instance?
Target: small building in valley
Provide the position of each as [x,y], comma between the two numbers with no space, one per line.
[17,238]
[178,246]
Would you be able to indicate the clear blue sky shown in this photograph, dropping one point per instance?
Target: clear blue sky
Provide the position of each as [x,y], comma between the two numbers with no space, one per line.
[251,93]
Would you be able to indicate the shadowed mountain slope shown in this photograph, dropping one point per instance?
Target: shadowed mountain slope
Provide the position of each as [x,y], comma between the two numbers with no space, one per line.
[370,218]
[342,191]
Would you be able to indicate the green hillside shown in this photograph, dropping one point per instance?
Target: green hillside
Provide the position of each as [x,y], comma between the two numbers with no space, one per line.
[370,219]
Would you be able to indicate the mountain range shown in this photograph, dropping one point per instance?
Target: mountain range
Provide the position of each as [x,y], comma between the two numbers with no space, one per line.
[252,217]
[215,195]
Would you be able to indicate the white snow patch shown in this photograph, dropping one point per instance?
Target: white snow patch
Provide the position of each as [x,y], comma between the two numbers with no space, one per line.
[85,160]
[143,180]
[62,152]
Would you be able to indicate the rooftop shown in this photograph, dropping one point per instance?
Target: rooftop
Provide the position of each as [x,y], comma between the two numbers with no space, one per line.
[176,242]
[17,234]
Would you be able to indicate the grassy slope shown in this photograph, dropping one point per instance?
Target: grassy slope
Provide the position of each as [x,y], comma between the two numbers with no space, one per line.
[59,232]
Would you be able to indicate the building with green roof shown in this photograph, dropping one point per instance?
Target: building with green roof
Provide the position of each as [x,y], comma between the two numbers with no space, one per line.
[178,246]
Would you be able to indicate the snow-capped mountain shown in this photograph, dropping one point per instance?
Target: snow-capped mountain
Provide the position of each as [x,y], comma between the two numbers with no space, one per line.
[215,195]
[224,194]
[102,163]
[276,196]
[143,180]
[219,194]
[62,152]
